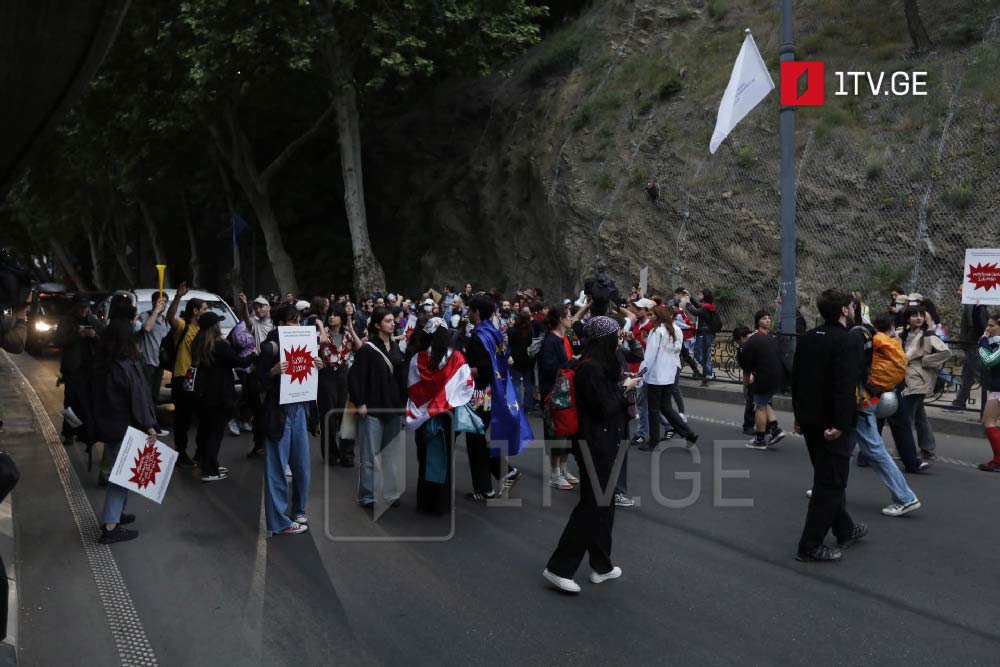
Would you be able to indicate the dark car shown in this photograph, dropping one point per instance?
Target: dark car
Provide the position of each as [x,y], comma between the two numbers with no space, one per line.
[46,309]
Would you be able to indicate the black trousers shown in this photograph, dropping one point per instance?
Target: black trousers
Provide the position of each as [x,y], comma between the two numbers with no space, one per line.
[588,530]
[749,411]
[828,506]
[675,392]
[482,466]
[184,414]
[332,396]
[433,497]
[211,429]
[658,401]
[74,385]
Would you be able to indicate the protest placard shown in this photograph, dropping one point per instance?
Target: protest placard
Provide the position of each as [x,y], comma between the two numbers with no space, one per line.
[300,381]
[142,468]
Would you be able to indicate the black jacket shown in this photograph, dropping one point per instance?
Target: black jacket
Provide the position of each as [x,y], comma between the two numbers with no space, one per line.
[477,356]
[122,399]
[828,365]
[78,353]
[601,404]
[371,383]
[551,358]
[973,323]
[215,386]
[760,355]
[519,341]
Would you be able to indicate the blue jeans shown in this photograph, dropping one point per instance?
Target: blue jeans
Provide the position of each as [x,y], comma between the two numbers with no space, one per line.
[375,432]
[703,353]
[115,497]
[873,447]
[525,392]
[291,450]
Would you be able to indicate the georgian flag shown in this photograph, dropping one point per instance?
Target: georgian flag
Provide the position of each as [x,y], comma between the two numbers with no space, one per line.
[433,391]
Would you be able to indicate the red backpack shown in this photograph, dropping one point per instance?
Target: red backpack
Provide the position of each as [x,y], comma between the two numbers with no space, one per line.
[560,405]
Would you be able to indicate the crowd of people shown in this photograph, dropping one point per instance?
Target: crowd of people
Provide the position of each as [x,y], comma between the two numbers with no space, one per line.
[478,364]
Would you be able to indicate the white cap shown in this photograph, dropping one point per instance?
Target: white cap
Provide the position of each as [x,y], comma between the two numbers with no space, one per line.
[301,305]
[645,303]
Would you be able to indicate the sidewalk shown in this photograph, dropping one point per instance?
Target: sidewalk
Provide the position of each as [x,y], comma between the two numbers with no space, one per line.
[965,424]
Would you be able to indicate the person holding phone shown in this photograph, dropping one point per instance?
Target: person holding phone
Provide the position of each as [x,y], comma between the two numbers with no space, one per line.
[660,363]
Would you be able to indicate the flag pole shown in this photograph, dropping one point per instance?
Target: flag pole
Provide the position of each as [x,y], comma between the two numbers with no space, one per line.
[237,277]
[787,118]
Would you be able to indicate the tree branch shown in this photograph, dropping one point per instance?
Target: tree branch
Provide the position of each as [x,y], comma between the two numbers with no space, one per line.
[303,139]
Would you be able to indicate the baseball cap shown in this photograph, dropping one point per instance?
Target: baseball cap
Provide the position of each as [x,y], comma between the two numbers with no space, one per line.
[915,299]
[645,303]
[261,301]
[208,319]
[301,305]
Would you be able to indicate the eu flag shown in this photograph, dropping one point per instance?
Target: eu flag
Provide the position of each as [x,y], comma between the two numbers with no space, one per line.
[507,420]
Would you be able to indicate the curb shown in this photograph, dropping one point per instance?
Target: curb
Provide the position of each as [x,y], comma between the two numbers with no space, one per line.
[960,425]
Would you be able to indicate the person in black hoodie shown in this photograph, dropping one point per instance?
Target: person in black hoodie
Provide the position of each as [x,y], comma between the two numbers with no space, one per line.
[828,367]
[376,384]
[76,337]
[214,391]
[122,399]
[973,323]
[709,324]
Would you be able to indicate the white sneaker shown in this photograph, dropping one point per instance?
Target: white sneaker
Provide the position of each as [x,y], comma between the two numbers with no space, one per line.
[234,428]
[570,477]
[600,578]
[301,519]
[246,427]
[567,585]
[162,433]
[293,529]
[683,416]
[809,493]
[754,444]
[559,482]
[214,478]
[621,500]
[899,509]
[288,472]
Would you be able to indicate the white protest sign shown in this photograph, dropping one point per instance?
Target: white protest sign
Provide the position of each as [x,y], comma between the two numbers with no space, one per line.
[143,469]
[981,277]
[644,281]
[300,381]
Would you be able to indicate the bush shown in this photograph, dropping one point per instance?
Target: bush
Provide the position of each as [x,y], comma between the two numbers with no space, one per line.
[873,168]
[603,182]
[745,157]
[716,10]
[959,197]
[582,117]
[557,54]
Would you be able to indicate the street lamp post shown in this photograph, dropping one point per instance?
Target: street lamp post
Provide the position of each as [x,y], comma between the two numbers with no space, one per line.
[787,116]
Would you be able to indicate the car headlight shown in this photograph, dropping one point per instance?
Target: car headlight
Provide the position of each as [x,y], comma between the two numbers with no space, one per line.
[43,326]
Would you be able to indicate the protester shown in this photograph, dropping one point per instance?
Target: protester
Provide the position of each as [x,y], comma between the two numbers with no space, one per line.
[244,343]
[122,400]
[214,391]
[972,325]
[641,327]
[77,338]
[286,440]
[376,385]
[763,374]
[600,394]
[259,322]
[741,335]
[556,353]
[183,331]
[337,352]
[926,353]
[826,371]
[709,324]
[660,363]
[522,369]
[989,355]
[153,330]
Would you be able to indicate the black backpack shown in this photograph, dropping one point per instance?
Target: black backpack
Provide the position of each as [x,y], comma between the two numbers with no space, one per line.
[714,321]
[168,349]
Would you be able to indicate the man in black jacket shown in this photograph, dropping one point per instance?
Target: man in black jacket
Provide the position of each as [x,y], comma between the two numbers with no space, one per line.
[828,366]
[764,375]
[972,327]
[76,337]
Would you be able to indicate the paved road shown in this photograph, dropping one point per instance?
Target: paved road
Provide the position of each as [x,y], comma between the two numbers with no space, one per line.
[703,584]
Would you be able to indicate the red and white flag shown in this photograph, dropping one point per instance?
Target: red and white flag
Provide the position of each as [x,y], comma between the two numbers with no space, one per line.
[433,391]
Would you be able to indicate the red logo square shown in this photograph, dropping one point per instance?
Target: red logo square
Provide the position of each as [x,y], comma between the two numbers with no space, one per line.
[791,72]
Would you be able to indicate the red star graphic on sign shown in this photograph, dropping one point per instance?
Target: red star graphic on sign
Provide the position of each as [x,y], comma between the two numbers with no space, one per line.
[984,276]
[300,364]
[147,464]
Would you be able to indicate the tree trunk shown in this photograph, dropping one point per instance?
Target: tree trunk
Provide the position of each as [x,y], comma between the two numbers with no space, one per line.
[918,33]
[95,240]
[368,273]
[154,239]
[193,241]
[118,248]
[62,257]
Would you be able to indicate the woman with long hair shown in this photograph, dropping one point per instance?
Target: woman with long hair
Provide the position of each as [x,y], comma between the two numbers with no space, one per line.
[214,391]
[556,353]
[337,352]
[989,354]
[659,366]
[602,407]
[522,366]
[122,400]
[926,353]
[439,381]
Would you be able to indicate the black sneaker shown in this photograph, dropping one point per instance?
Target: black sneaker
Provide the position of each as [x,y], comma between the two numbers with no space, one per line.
[954,406]
[185,461]
[821,554]
[119,534]
[638,441]
[776,436]
[857,533]
[347,461]
[668,435]
[126,519]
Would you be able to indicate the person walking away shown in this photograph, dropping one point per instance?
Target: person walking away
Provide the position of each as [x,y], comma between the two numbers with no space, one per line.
[122,400]
[927,353]
[883,371]
[989,355]
[214,391]
[602,407]
[640,332]
[556,353]
[337,353]
[183,330]
[827,368]
[659,366]
[376,385]
[153,330]
[76,337]
[242,341]
[522,368]
[259,322]
[763,374]
[709,324]
[286,437]
[971,327]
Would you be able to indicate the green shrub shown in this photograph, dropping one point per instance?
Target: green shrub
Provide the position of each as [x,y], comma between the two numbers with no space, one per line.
[745,157]
[958,197]
[716,10]
[873,168]
[603,182]
[556,54]
[582,117]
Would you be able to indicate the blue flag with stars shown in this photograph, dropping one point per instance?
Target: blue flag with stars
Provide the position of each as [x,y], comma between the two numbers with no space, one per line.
[507,420]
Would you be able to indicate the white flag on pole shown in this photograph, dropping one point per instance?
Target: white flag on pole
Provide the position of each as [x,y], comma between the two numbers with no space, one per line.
[749,84]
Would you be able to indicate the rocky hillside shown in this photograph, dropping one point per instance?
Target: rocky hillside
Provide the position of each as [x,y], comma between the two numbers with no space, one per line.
[539,177]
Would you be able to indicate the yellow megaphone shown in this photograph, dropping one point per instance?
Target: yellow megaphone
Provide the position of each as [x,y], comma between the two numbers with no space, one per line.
[160,269]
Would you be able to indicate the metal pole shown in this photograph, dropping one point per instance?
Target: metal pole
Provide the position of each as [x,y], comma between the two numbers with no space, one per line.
[787,116]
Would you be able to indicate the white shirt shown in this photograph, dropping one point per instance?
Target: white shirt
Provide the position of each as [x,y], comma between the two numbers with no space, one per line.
[663,356]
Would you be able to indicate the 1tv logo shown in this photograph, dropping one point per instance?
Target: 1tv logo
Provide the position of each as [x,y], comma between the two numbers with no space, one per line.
[792,73]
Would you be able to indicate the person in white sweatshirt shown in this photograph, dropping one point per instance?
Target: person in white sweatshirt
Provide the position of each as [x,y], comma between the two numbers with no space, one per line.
[659,369]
